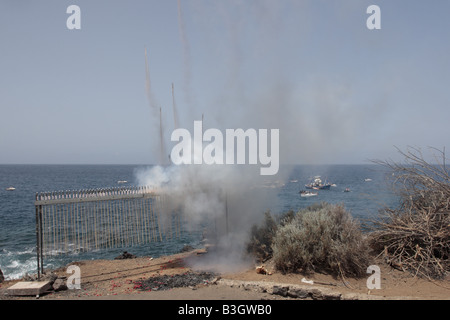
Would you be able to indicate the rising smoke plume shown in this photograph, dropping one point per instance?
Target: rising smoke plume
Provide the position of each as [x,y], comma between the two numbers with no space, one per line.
[224,201]
[316,117]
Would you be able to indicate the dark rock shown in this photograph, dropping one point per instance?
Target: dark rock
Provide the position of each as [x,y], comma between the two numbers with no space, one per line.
[186,248]
[125,255]
[332,296]
[59,285]
[298,293]
[280,290]
[49,277]
[316,294]
[2,278]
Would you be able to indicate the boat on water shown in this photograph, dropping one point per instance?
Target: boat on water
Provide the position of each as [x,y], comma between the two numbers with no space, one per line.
[367,179]
[317,184]
[347,190]
[10,189]
[304,193]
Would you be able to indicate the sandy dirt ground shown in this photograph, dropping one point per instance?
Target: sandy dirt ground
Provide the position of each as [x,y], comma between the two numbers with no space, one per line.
[120,279]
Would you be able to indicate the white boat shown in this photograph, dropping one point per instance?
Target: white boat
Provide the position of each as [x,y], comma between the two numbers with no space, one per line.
[367,179]
[308,194]
[122,181]
[10,189]
[317,184]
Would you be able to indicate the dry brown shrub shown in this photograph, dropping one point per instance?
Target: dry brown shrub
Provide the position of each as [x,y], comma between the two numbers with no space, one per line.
[415,236]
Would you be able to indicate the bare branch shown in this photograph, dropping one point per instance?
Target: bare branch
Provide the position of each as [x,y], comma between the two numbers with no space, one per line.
[416,236]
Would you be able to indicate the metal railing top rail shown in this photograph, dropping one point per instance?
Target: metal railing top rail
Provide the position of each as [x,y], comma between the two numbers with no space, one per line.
[90,195]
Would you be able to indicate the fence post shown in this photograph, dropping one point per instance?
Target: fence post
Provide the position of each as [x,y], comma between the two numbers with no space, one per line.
[38,240]
[41,240]
[37,243]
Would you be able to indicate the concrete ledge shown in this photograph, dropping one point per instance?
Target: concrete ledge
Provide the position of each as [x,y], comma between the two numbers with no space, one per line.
[296,291]
[28,288]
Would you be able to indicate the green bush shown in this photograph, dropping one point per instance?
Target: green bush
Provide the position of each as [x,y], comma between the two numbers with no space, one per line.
[260,244]
[321,238]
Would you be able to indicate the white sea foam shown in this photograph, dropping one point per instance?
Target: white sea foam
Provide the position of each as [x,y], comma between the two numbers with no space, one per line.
[16,269]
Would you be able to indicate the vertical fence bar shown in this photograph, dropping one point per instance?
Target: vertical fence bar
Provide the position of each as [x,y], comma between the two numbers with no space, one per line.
[37,240]
[41,249]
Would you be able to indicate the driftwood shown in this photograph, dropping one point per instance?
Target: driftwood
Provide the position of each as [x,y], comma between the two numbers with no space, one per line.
[416,236]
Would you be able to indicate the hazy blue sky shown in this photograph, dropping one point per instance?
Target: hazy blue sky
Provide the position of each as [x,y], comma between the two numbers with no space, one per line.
[338,92]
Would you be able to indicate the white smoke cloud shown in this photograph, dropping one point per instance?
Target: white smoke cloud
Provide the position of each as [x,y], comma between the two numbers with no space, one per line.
[223,200]
[317,117]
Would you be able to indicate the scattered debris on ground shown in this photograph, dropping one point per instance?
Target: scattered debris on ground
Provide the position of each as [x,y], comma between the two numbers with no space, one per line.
[125,255]
[262,270]
[166,282]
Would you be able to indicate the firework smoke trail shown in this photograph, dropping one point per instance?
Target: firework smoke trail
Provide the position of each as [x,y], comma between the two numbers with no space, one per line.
[175,112]
[162,154]
[148,87]
[153,108]
[186,56]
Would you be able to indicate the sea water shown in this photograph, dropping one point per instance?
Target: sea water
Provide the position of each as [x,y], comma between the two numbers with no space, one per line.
[369,192]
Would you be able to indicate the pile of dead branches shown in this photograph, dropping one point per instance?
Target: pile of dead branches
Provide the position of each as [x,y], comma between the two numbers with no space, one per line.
[415,236]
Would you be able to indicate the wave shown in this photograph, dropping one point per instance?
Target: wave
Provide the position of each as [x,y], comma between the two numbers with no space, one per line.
[15,265]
